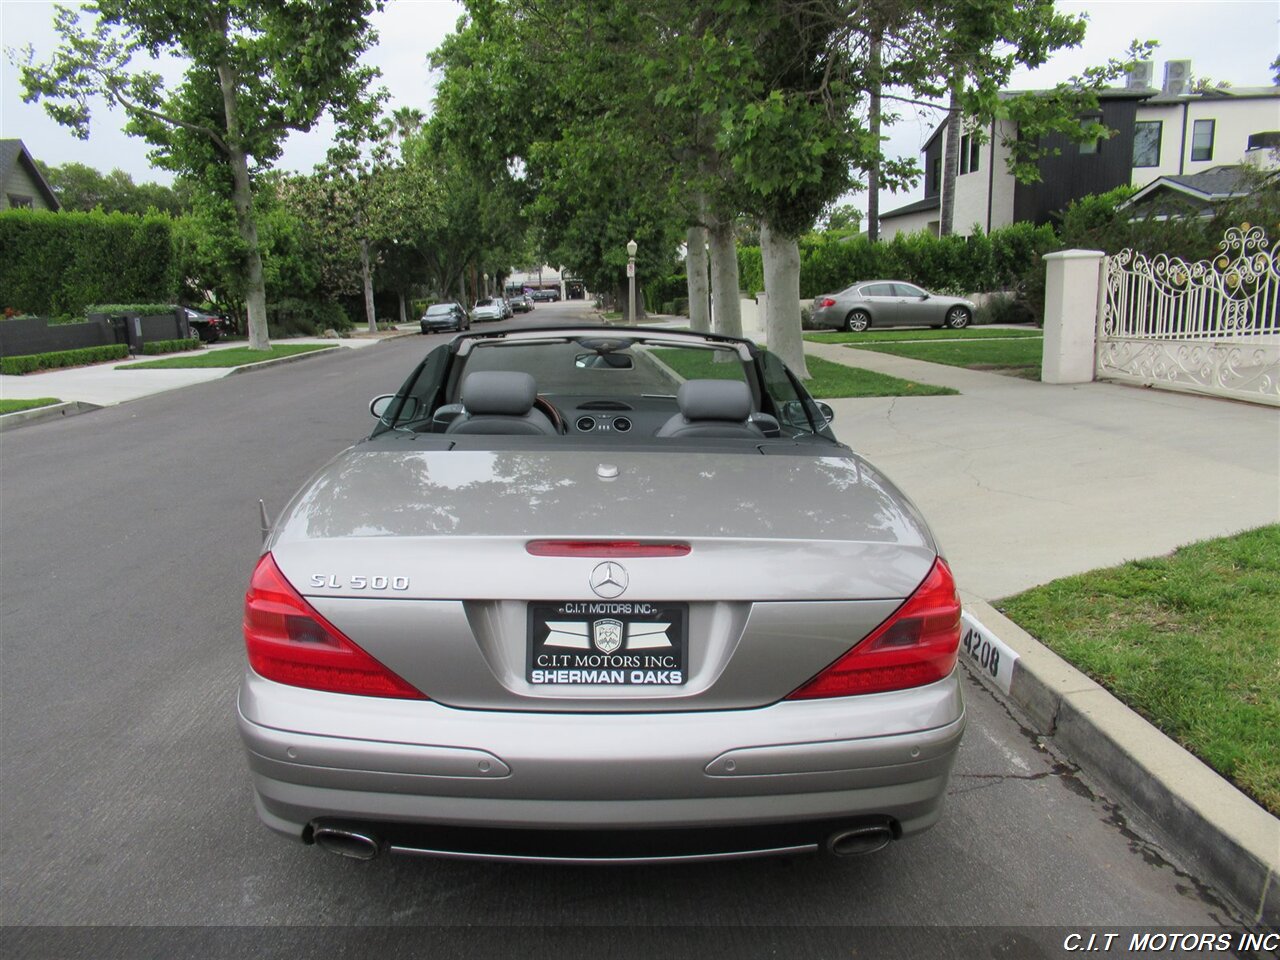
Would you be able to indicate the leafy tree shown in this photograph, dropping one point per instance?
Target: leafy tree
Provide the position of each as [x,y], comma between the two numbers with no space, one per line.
[81,187]
[978,44]
[531,105]
[257,69]
[844,218]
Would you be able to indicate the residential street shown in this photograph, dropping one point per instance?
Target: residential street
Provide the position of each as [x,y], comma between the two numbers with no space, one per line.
[128,537]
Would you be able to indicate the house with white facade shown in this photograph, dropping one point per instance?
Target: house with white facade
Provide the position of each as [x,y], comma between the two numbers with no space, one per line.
[1167,132]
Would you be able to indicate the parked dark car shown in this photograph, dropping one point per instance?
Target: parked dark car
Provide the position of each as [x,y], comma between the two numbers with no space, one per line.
[546,296]
[522,303]
[209,327]
[889,303]
[445,316]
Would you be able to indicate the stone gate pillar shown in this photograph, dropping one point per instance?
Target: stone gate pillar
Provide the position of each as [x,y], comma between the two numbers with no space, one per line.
[1071,295]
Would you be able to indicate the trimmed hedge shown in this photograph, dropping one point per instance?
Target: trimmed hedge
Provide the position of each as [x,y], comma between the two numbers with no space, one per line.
[141,309]
[59,263]
[982,262]
[16,366]
[170,346]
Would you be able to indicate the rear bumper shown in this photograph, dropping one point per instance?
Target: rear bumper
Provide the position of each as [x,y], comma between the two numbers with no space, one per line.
[785,771]
[827,317]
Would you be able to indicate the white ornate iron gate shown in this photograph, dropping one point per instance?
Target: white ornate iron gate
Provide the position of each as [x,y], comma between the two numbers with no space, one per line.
[1211,327]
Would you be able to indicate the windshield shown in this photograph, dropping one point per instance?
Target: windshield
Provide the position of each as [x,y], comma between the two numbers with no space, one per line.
[584,382]
[439,308]
[574,369]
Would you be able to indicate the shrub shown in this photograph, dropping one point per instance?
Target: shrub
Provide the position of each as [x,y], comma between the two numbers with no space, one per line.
[141,309]
[751,269]
[170,346]
[308,318]
[667,288]
[17,366]
[58,263]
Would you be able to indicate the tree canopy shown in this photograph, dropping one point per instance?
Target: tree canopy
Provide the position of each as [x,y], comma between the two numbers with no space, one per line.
[254,70]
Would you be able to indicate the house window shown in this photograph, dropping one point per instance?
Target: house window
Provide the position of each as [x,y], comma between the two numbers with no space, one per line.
[1094,145]
[17,201]
[1202,140]
[935,175]
[1146,143]
[969,152]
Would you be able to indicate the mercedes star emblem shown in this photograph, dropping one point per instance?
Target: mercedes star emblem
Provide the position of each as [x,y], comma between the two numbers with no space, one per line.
[609,580]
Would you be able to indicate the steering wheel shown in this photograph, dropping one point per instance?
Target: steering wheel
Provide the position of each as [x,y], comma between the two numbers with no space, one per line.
[546,406]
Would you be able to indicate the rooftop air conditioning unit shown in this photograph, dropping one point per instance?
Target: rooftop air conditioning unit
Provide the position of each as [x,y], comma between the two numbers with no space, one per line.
[1177,77]
[1141,75]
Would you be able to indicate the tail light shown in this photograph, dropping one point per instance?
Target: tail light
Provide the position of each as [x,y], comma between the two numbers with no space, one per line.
[915,646]
[826,302]
[289,642]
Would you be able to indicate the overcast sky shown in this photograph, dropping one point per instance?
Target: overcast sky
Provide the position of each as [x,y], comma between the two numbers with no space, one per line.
[1232,40]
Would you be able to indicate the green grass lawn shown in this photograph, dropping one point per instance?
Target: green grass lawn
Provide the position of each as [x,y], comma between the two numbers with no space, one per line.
[1191,641]
[1019,357]
[13,406]
[889,336]
[828,379]
[232,357]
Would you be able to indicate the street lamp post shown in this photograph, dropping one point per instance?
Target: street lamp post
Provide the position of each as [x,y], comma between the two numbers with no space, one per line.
[631,281]
[486,286]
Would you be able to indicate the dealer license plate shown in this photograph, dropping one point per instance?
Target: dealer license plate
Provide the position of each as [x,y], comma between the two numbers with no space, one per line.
[609,642]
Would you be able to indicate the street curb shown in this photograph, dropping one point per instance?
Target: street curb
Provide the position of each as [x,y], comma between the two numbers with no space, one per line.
[263,364]
[1229,840]
[23,418]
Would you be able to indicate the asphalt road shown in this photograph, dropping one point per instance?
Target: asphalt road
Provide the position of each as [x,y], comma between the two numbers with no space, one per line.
[127,538]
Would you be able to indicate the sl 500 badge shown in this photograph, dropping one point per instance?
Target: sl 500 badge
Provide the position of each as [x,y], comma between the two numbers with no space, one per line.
[322,582]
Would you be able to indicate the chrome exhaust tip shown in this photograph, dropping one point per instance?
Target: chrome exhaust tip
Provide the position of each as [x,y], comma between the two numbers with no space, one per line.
[858,841]
[346,842]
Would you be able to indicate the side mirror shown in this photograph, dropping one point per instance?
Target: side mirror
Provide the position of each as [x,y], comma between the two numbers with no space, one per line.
[378,405]
[826,411]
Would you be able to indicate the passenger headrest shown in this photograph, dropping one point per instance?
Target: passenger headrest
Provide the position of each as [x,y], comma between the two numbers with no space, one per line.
[500,393]
[714,400]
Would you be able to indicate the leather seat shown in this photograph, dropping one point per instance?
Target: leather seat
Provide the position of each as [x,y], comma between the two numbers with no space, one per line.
[712,408]
[500,402]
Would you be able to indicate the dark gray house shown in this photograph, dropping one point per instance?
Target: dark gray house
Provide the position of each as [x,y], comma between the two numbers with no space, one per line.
[1156,133]
[21,183]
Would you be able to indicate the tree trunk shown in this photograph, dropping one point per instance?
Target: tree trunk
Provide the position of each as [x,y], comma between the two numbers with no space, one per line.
[366,274]
[781,256]
[873,123]
[255,288]
[404,317]
[950,165]
[699,286]
[726,307]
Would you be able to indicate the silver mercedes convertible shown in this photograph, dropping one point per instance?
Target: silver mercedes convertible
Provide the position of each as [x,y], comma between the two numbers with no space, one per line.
[600,595]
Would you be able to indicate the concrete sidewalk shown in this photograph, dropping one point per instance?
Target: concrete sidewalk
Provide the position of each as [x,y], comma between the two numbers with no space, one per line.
[102,385]
[1024,482]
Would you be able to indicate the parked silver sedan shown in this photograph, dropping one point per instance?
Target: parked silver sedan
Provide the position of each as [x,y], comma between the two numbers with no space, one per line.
[566,605]
[889,303]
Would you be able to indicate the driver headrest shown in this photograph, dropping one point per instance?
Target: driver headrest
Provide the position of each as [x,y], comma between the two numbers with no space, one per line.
[714,400]
[503,393]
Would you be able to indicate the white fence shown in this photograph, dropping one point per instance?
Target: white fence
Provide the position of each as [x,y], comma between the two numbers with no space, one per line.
[1212,326]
